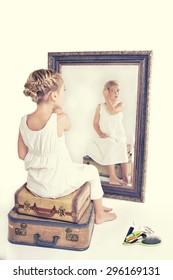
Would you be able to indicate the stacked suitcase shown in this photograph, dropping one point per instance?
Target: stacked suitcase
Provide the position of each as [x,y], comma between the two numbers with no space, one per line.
[64,223]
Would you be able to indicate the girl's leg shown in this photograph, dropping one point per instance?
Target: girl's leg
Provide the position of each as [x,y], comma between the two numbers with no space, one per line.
[124,167]
[113,179]
[101,212]
[132,165]
[100,215]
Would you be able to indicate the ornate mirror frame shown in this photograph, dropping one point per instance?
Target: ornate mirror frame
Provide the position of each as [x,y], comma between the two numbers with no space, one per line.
[141,59]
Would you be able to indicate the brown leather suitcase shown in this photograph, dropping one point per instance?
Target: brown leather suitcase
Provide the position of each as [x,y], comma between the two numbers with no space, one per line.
[69,208]
[33,231]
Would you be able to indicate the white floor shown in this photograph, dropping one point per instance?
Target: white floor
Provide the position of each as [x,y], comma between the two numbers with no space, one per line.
[106,242]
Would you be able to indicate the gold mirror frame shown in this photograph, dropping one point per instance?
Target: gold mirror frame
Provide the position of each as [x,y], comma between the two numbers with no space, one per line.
[58,60]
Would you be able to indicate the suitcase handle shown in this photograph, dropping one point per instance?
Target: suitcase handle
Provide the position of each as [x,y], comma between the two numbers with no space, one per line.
[44,214]
[46,243]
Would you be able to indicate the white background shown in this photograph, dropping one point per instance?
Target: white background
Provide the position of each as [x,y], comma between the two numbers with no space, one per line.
[29,30]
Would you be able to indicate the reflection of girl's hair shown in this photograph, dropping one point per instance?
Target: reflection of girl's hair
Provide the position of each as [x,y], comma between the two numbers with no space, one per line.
[110,84]
[40,82]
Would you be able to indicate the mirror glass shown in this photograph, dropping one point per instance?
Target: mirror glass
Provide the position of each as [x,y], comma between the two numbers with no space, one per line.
[85,75]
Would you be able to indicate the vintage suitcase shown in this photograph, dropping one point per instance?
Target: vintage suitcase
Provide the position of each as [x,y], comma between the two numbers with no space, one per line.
[34,231]
[69,208]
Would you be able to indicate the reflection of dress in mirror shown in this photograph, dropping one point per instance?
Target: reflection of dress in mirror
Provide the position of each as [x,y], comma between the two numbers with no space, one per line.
[110,147]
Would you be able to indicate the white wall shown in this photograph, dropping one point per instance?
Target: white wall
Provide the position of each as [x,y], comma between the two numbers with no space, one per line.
[30,29]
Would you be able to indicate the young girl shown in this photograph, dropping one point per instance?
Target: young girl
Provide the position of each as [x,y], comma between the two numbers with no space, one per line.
[110,147]
[41,144]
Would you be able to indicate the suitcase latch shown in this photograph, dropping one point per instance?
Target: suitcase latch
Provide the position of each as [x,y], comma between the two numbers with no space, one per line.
[22,230]
[61,211]
[27,206]
[71,236]
[16,205]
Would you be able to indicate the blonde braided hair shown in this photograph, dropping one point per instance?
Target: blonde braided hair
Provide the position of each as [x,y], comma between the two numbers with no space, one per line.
[110,84]
[40,83]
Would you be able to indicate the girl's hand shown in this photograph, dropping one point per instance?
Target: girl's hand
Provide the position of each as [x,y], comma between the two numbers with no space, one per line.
[103,135]
[106,93]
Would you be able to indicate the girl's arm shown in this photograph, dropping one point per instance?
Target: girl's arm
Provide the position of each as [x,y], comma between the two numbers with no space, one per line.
[96,123]
[22,148]
[63,123]
[110,107]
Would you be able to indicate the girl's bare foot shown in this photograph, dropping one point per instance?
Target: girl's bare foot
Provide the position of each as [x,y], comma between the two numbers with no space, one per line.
[127,180]
[107,209]
[117,181]
[104,217]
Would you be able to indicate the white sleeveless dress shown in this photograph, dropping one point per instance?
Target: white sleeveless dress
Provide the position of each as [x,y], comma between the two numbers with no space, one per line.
[113,149]
[51,172]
